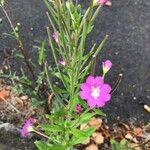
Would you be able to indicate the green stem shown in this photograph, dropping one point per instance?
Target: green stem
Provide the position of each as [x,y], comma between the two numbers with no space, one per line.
[54,55]
[23,51]
[42,134]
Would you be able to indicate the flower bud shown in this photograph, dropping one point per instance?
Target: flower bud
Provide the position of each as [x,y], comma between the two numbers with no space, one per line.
[106,66]
[55,36]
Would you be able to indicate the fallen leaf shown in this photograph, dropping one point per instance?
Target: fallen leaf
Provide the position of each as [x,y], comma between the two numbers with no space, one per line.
[87,141]
[4,94]
[25,97]
[92,147]
[84,126]
[19,101]
[138,132]
[95,122]
[124,125]
[129,136]
[98,138]
[135,146]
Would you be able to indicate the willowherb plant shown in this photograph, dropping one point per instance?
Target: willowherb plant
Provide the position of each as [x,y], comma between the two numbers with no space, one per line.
[74,102]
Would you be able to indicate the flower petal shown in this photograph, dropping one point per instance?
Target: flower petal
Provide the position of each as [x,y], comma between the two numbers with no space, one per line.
[100,103]
[84,95]
[98,81]
[91,102]
[106,88]
[85,86]
[90,80]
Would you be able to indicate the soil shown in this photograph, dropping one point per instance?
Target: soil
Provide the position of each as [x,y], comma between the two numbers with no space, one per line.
[127,23]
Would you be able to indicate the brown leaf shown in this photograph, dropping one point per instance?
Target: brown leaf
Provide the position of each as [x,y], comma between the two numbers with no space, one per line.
[92,147]
[135,146]
[129,136]
[84,126]
[4,94]
[95,122]
[98,138]
[25,97]
[19,101]
[138,132]
[124,125]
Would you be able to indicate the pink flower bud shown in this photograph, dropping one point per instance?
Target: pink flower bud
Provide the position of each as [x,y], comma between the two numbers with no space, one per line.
[103,2]
[106,66]
[78,109]
[55,36]
[62,62]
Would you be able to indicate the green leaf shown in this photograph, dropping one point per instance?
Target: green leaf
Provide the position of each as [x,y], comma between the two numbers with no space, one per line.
[62,112]
[51,128]
[37,102]
[85,117]
[99,112]
[115,145]
[78,133]
[42,145]
[81,135]
[58,147]
[19,55]
[41,53]
[25,79]
[73,103]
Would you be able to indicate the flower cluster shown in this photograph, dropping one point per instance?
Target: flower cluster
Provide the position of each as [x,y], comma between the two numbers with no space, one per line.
[27,127]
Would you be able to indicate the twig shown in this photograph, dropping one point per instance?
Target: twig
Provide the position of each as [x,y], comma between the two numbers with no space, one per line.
[116,84]
[10,105]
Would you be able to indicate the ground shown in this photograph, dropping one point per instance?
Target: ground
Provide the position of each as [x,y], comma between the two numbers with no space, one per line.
[128,24]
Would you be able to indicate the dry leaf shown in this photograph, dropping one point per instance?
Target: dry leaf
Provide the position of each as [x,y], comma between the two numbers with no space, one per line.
[25,97]
[135,146]
[4,94]
[92,147]
[124,125]
[98,138]
[95,122]
[129,136]
[19,101]
[87,141]
[84,126]
[138,132]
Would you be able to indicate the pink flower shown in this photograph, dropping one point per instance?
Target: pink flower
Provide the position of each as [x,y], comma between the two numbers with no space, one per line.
[95,92]
[106,66]
[78,109]
[27,127]
[62,62]
[103,2]
[55,36]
